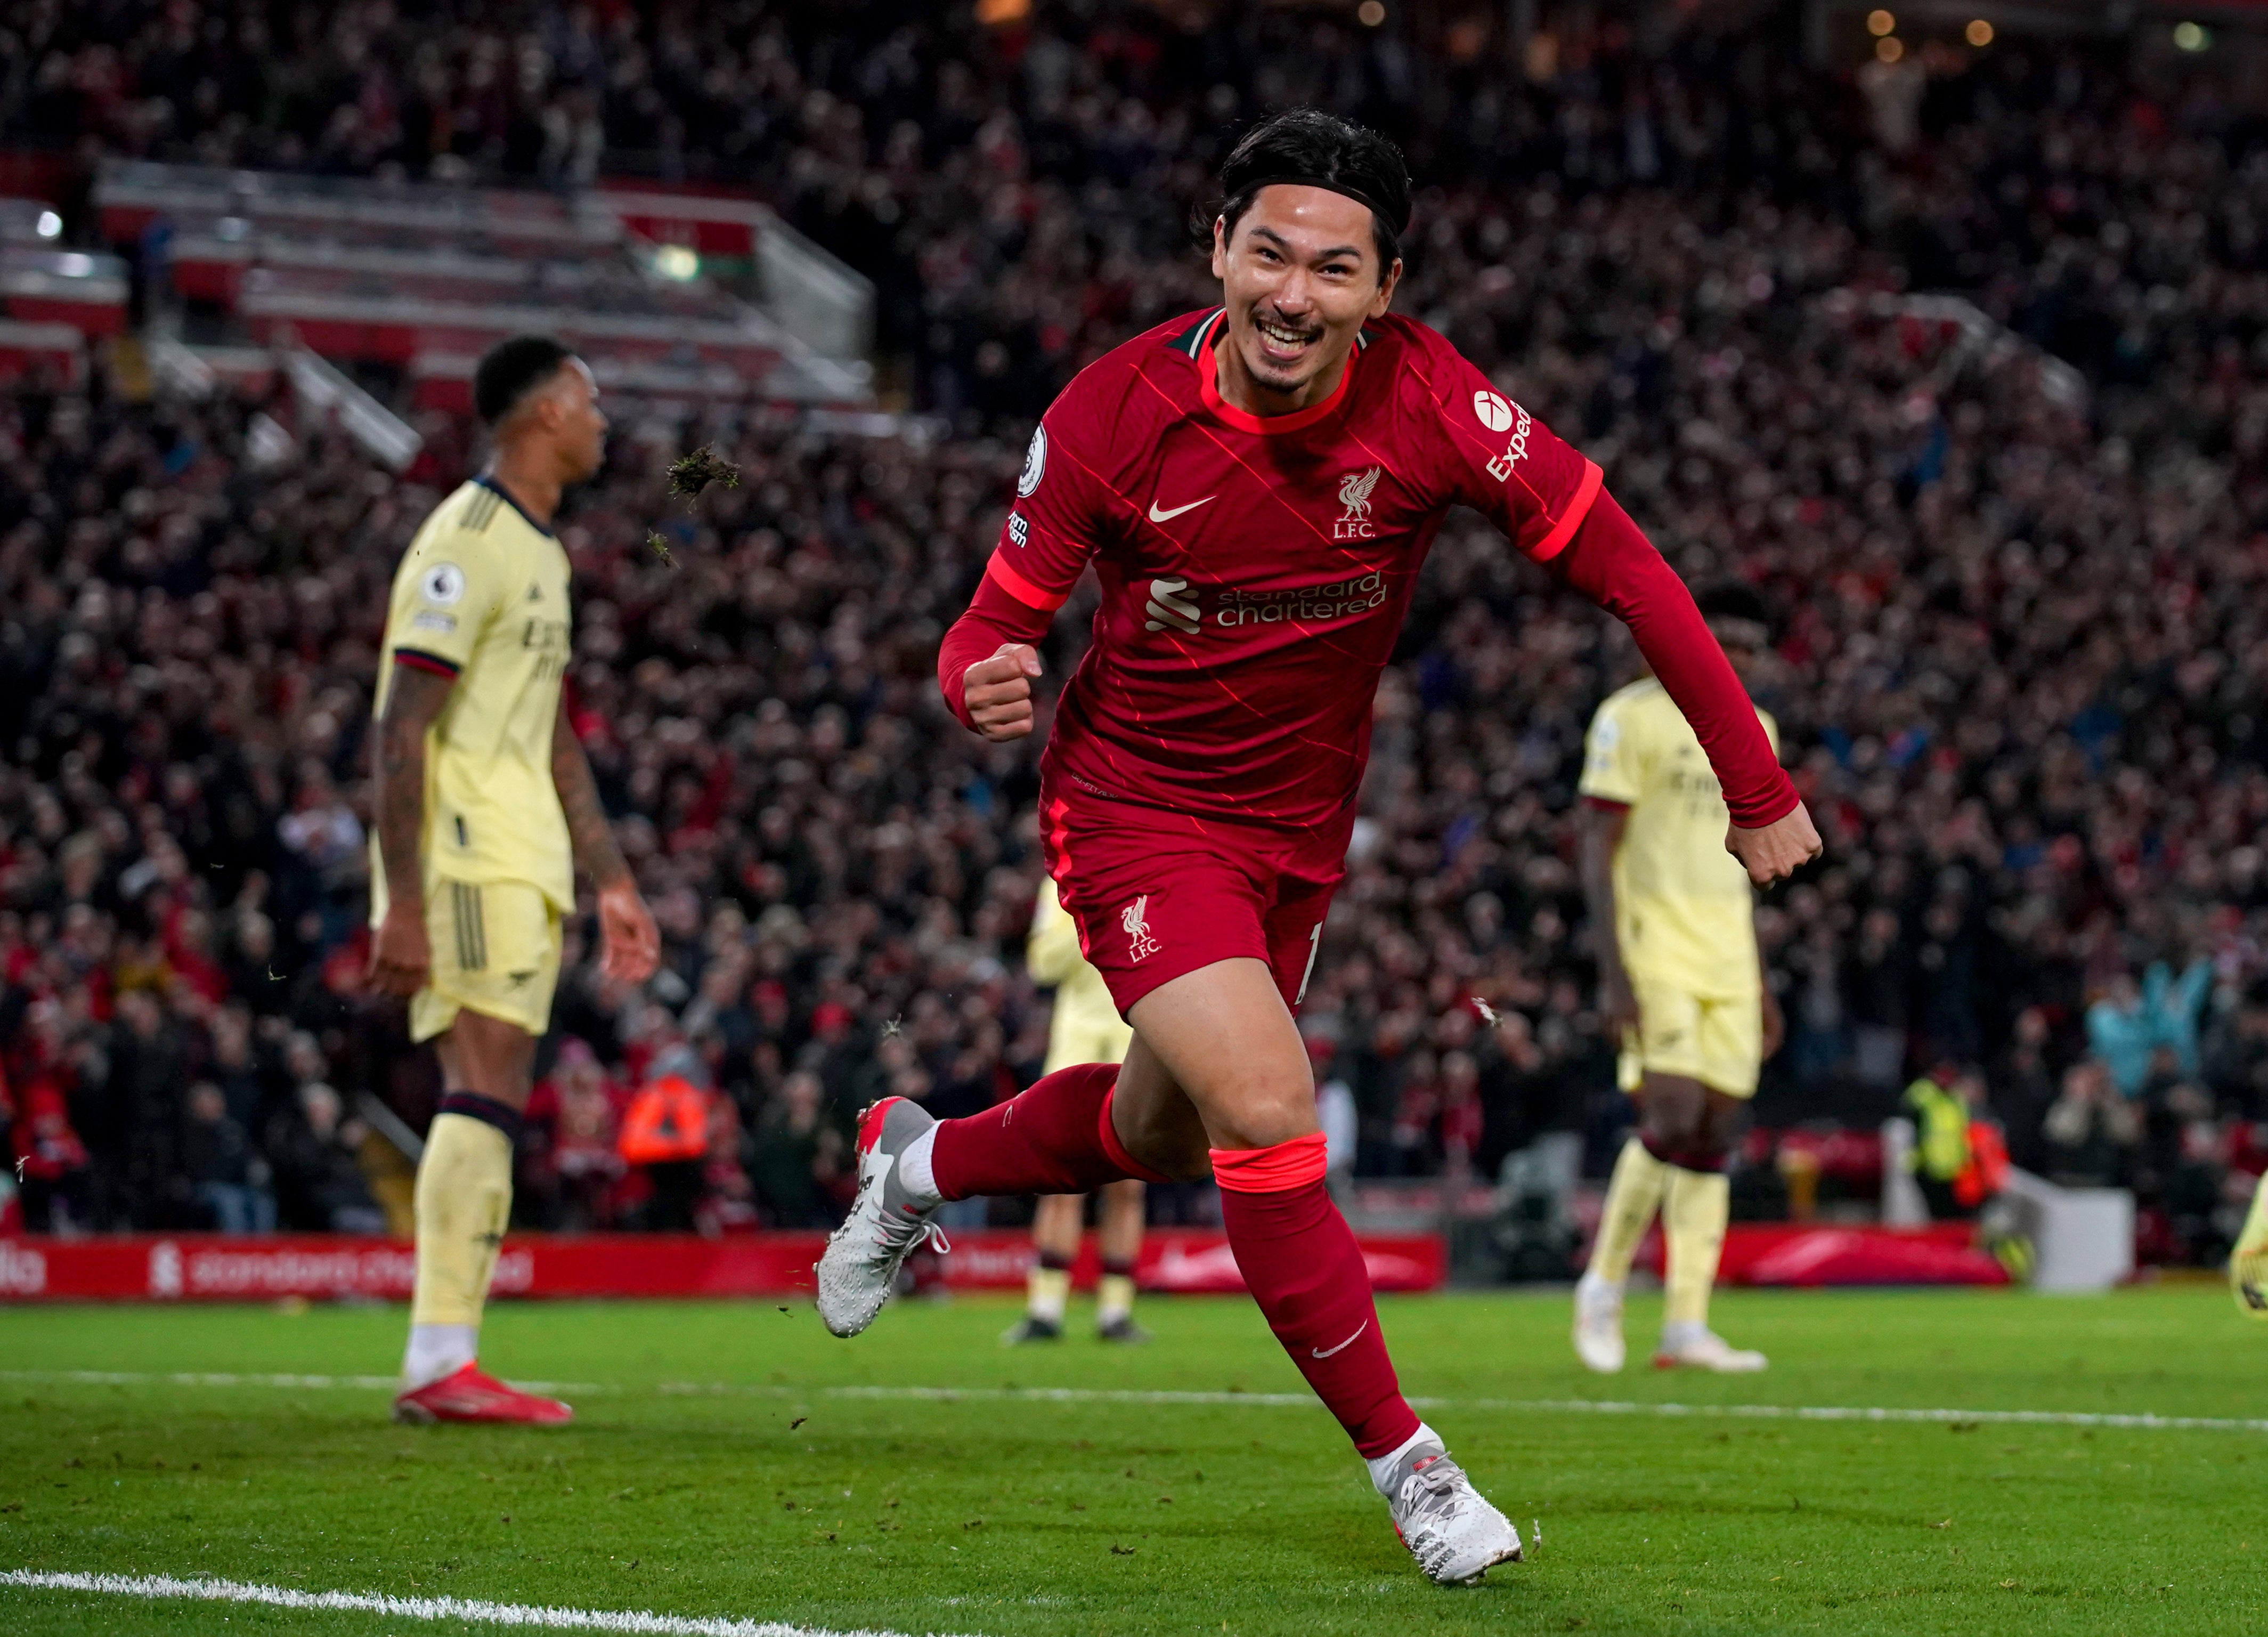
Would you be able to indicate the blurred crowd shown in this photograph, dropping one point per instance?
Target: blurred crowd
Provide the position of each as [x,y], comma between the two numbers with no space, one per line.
[2018,545]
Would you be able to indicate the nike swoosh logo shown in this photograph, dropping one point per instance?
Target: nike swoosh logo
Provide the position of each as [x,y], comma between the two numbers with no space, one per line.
[1156,516]
[1325,1353]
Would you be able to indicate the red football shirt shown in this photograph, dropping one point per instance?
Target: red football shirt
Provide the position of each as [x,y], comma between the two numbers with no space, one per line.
[1256,570]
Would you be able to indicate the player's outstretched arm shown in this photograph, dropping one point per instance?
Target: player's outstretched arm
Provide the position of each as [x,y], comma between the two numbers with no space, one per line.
[1612,563]
[401,955]
[630,943]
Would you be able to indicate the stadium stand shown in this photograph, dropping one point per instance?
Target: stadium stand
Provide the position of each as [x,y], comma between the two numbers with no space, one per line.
[2017,536]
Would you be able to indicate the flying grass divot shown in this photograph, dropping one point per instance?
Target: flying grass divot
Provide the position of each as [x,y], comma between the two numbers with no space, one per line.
[690,477]
[691,474]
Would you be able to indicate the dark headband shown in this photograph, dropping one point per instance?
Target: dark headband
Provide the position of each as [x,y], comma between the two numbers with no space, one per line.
[1344,190]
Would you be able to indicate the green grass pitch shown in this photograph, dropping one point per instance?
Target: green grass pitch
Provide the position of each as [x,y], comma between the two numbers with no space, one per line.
[724,1465]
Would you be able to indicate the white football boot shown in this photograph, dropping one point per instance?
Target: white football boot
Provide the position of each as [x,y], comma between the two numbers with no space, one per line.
[1696,1347]
[1598,1324]
[1453,1532]
[860,1268]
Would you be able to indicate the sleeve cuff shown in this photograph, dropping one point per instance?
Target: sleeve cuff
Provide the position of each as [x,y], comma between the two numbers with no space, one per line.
[418,659]
[1772,807]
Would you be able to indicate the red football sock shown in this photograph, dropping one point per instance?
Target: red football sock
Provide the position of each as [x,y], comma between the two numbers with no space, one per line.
[1056,1138]
[1300,1261]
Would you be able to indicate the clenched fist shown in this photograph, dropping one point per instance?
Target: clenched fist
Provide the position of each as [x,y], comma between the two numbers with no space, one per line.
[1774,850]
[998,692]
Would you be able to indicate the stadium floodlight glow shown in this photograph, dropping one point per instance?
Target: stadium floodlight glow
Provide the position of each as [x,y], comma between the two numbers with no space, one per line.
[1979,34]
[1880,23]
[677,262]
[993,13]
[1370,14]
[50,226]
[1889,49]
[2191,36]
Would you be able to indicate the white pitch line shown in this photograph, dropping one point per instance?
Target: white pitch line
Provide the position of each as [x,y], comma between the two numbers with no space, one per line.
[225,1378]
[2143,1421]
[468,1609]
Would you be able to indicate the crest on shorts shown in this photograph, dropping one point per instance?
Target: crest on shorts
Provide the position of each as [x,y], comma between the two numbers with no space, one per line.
[1134,918]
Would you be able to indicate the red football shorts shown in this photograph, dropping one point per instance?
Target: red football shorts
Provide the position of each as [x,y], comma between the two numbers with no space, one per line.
[1157,894]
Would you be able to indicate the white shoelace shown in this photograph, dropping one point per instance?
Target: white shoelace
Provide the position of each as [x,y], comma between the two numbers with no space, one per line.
[1434,1485]
[903,1237]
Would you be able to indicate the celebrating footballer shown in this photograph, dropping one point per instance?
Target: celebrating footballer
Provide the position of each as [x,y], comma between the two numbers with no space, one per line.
[1256,486]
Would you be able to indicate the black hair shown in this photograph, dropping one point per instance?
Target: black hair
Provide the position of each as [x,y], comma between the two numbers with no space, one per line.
[1308,147]
[509,371]
[1734,600]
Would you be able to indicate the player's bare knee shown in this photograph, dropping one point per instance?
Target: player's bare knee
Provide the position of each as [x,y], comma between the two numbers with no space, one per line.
[1261,1111]
[1165,1136]
[1671,1115]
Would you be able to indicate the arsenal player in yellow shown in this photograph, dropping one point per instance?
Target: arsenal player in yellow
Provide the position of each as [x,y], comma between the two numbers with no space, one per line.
[1086,1029]
[485,804]
[1674,916]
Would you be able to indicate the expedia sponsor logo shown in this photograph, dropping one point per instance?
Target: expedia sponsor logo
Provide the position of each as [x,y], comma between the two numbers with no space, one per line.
[1514,451]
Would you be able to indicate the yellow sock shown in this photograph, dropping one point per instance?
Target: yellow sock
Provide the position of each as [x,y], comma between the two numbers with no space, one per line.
[1045,1292]
[1113,1298]
[1631,1198]
[1695,1207]
[464,1200]
[2247,1264]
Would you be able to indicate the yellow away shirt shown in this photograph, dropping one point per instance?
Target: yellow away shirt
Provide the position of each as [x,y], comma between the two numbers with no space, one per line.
[1087,1027]
[1684,913]
[482,595]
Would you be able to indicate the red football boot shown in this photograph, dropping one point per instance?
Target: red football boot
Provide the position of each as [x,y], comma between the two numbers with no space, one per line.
[467,1395]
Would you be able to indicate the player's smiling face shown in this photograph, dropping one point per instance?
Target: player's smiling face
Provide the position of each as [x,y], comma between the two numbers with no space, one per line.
[1300,277]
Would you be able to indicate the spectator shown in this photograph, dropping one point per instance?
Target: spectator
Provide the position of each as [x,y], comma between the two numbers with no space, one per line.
[728,1196]
[51,1163]
[318,1182]
[796,1156]
[2090,1131]
[582,1116]
[664,1136]
[2130,1024]
[218,1158]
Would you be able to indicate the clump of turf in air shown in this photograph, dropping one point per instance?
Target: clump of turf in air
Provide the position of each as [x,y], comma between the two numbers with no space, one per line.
[659,546]
[691,474]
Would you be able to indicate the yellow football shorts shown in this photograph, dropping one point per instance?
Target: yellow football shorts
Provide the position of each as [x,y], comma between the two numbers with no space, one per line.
[1103,1040]
[1716,1039]
[496,951]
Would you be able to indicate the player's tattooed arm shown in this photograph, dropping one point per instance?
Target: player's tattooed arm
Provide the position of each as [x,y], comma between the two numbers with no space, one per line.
[401,955]
[587,825]
[630,942]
